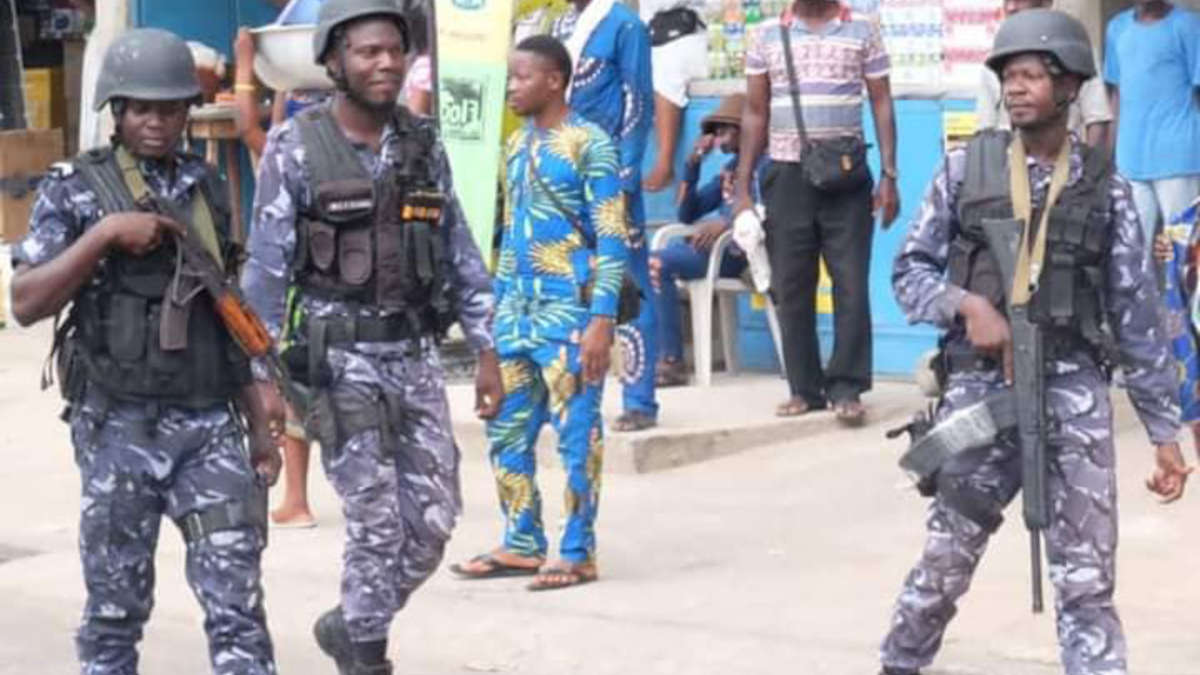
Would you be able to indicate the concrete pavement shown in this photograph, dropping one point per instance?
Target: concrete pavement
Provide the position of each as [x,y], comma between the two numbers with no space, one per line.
[782,558]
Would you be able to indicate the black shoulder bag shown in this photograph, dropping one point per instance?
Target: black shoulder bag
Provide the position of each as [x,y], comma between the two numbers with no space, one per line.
[629,303]
[671,24]
[833,165]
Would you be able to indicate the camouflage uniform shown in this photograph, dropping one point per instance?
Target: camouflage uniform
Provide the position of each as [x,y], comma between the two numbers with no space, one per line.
[399,483]
[1081,540]
[139,461]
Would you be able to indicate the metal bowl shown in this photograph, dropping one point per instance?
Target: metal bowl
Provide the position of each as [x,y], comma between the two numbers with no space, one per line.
[283,58]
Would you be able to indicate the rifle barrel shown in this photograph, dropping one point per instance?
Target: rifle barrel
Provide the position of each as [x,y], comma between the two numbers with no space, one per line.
[1035,564]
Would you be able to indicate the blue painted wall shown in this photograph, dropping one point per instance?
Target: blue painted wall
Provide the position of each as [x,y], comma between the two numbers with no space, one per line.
[215,23]
[897,345]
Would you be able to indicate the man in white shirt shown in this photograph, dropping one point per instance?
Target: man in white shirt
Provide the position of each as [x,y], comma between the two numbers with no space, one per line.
[679,54]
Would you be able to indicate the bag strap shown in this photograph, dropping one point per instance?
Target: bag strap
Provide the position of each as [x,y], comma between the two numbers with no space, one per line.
[537,177]
[793,82]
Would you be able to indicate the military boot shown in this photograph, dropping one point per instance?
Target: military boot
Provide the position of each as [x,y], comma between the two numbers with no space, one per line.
[334,639]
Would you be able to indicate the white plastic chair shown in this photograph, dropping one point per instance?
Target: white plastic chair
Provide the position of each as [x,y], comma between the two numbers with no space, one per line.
[700,294]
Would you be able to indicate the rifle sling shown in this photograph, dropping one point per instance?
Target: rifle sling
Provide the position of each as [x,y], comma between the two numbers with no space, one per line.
[202,224]
[1032,253]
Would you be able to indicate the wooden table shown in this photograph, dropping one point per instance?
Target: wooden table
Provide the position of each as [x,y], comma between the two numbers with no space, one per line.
[216,124]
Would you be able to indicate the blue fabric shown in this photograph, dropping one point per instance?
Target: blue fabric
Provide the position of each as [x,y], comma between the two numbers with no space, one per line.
[1156,66]
[612,85]
[542,384]
[1181,327]
[681,261]
[699,201]
[639,338]
[542,257]
[612,88]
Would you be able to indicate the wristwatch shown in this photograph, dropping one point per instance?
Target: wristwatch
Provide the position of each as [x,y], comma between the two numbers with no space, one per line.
[888,172]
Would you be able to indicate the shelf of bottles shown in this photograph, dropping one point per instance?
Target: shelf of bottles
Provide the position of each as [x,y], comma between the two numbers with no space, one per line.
[728,22]
[936,46]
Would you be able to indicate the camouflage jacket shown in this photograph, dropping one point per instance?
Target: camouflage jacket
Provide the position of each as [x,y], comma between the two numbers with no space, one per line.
[1133,303]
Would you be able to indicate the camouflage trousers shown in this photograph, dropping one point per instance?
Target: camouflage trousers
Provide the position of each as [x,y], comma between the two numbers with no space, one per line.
[136,465]
[1080,542]
[397,476]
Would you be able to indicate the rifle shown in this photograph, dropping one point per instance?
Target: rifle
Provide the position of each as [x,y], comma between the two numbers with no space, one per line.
[198,269]
[1029,384]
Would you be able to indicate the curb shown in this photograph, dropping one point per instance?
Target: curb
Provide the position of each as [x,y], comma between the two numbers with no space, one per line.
[661,449]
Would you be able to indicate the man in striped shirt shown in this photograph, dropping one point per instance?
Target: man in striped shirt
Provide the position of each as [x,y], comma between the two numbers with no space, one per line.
[837,53]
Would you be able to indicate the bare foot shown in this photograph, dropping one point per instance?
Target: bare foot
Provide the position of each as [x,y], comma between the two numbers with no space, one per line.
[660,178]
[289,515]
[562,574]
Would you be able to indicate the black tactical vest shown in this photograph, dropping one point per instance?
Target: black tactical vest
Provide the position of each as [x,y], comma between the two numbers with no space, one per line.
[115,322]
[1069,300]
[373,241]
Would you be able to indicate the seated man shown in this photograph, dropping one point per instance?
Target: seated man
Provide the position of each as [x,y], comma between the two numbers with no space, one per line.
[688,258]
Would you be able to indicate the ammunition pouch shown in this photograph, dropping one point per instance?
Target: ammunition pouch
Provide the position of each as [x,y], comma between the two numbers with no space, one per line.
[137,333]
[373,241]
[972,504]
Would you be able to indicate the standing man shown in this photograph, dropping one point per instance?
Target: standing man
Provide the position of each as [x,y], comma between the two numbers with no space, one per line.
[835,53]
[678,55]
[155,386]
[355,207]
[948,276]
[557,286]
[611,87]
[1152,67]
[1089,116]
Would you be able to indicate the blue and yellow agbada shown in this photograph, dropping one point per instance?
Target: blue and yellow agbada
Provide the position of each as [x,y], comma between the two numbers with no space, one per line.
[545,264]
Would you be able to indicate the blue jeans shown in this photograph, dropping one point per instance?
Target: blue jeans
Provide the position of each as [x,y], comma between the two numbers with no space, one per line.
[681,261]
[1158,202]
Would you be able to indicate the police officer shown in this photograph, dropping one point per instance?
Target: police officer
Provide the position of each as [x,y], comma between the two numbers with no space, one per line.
[150,374]
[355,207]
[1095,267]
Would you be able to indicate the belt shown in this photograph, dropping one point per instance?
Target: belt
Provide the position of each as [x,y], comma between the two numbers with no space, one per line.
[372,329]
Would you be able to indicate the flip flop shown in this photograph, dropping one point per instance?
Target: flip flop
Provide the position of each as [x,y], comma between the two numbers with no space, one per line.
[577,575]
[303,524]
[850,413]
[670,375]
[496,569]
[633,421]
[792,408]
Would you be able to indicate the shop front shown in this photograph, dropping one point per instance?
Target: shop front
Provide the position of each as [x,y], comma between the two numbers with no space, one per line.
[937,48]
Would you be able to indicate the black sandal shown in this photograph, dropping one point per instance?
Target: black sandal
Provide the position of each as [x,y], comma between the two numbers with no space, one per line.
[632,420]
[496,569]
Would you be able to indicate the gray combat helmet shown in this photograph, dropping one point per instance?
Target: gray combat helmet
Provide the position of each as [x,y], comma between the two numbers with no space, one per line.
[1048,31]
[337,12]
[148,64]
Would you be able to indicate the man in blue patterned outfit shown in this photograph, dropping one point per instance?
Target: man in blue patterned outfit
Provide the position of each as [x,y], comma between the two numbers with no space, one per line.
[611,87]
[356,208]
[149,372]
[945,274]
[557,286]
